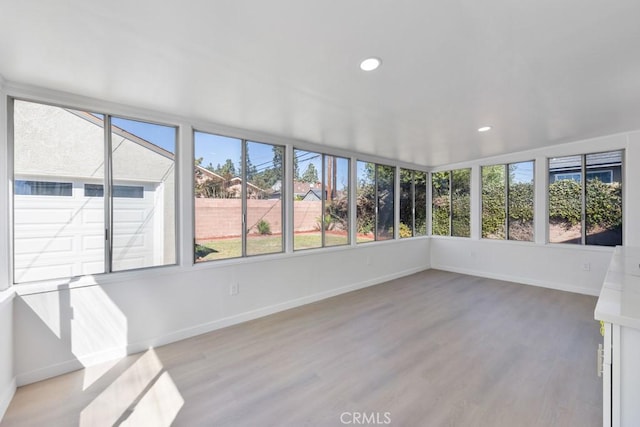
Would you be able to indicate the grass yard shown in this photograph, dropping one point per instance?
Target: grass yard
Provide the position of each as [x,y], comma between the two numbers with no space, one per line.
[258,245]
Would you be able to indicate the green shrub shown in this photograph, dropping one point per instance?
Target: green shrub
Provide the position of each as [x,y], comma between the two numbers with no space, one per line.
[461,216]
[493,211]
[521,202]
[405,231]
[263,227]
[365,209]
[565,202]
[603,204]
[440,220]
[202,251]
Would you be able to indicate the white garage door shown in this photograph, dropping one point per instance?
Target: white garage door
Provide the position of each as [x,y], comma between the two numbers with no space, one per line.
[59,228]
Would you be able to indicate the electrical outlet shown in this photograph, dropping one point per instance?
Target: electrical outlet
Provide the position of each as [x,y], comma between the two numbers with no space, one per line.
[234,289]
[586,266]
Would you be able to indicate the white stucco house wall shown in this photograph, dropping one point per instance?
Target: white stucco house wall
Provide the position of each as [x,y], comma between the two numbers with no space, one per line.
[59,172]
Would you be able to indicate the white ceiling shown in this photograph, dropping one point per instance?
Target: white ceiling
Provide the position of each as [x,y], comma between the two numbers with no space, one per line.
[540,72]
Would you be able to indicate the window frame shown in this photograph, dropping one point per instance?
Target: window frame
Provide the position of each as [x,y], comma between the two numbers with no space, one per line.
[450,188]
[243,198]
[323,200]
[584,173]
[507,185]
[376,198]
[413,202]
[107,182]
[394,219]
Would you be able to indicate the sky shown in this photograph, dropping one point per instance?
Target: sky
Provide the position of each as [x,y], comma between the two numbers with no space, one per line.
[162,136]
[216,149]
[522,172]
[305,158]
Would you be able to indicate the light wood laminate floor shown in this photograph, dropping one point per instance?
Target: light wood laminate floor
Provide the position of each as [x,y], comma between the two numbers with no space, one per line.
[431,349]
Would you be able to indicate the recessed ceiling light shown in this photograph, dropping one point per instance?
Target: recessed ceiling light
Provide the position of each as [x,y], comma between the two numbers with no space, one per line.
[484,129]
[370,64]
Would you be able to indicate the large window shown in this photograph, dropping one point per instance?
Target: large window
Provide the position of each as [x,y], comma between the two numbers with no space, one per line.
[238,197]
[320,200]
[508,201]
[413,203]
[218,197]
[586,211]
[65,223]
[451,203]
[375,201]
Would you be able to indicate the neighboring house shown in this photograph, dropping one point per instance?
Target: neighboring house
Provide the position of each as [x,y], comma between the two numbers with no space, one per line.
[232,187]
[313,195]
[607,167]
[301,189]
[59,196]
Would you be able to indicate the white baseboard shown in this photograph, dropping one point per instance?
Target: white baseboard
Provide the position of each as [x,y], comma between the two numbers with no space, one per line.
[262,312]
[519,279]
[136,347]
[69,366]
[6,397]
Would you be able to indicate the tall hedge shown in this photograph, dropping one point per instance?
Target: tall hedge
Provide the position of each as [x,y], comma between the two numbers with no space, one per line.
[603,203]
[565,202]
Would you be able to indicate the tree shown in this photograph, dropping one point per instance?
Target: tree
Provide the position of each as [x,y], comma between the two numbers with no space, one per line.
[310,174]
[228,170]
[278,154]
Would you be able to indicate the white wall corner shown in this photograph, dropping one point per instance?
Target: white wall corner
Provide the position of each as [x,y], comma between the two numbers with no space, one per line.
[521,280]
[6,396]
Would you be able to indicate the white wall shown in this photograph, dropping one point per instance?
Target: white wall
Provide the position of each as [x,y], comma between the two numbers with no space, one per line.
[561,266]
[63,330]
[7,379]
[552,266]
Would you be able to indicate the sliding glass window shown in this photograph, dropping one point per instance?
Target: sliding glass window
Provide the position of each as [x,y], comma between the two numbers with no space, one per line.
[508,201]
[413,204]
[585,199]
[320,200]
[143,194]
[93,193]
[366,202]
[375,202]
[336,206]
[385,202]
[238,197]
[218,202]
[451,203]
[263,172]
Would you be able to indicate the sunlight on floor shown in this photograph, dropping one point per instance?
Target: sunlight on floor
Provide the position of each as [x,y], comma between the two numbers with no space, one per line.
[159,406]
[142,392]
[92,374]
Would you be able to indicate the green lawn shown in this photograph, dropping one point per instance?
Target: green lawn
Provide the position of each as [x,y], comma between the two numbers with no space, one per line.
[314,240]
[257,245]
